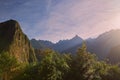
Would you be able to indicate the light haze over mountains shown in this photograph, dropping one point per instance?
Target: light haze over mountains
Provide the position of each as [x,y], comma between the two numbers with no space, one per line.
[56,20]
[104,45]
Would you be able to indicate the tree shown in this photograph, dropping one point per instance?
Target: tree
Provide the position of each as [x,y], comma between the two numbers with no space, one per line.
[27,72]
[8,65]
[53,66]
[81,65]
[112,73]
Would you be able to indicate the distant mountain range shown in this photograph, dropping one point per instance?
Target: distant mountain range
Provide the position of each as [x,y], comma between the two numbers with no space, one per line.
[59,46]
[14,41]
[101,45]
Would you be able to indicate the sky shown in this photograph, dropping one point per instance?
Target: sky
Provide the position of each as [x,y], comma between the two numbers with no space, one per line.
[56,20]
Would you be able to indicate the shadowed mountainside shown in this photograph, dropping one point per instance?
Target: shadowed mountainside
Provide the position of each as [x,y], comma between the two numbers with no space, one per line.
[59,46]
[114,55]
[14,41]
[101,45]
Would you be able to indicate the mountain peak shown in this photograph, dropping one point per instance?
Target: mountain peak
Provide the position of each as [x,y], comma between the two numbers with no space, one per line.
[76,37]
[14,41]
[11,21]
[11,25]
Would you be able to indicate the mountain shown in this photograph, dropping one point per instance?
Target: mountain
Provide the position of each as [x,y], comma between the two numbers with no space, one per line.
[41,44]
[73,49]
[105,42]
[36,44]
[66,44]
[59,46]
[101,45]
[114,55]
[14,41]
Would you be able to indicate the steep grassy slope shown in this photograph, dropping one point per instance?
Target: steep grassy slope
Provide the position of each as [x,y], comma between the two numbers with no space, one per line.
[13,40]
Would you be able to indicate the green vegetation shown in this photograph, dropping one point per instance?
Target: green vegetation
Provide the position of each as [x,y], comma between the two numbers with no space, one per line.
[14,41]
[8,66]
[54,66]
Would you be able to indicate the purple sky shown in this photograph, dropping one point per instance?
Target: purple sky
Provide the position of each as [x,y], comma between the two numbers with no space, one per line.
[62,19]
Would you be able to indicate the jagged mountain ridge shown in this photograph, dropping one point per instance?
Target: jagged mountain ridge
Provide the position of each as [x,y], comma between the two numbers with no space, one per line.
[105,42]
[101,45]
[66,44]
[41,44]
[14,41]
[59,46]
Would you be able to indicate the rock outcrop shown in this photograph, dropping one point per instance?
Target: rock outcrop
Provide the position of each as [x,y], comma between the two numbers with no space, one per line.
[14,41]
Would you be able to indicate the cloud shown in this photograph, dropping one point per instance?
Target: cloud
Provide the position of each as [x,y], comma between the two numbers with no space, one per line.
[86,18]
[62,19]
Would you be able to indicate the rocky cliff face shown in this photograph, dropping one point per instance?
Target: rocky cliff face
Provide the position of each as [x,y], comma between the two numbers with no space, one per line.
[13,40]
